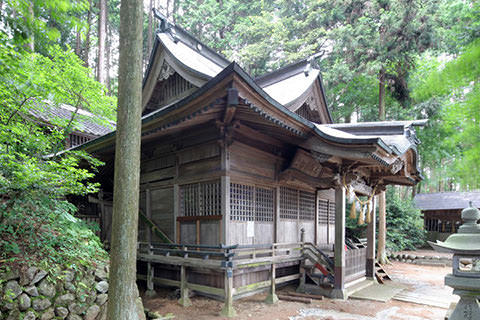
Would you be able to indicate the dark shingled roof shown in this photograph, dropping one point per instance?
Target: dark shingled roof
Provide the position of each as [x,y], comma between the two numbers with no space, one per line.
[84,121]
[447,200]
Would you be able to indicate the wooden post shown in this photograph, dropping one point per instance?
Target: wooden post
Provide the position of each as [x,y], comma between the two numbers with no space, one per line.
[228,310]
[272,297]
[303,275]
[225,192]
[176,212]
[315,240]
[184,299]
[103,232]
[150,269]
[277,215]
[339,285]
[370,267]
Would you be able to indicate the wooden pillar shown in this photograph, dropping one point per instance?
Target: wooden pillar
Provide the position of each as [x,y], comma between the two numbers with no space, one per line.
[339,285]
[150,269]
[103,232]
[184,299]
[225,193]
[228,310]
[277,215]
[370,268]
[315,239]
[272,297]
[176,213]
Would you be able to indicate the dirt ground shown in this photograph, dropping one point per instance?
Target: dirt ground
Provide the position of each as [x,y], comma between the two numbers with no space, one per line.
[419,280]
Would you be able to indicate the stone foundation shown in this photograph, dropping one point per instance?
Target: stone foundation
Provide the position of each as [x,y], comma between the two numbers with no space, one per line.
[72,294]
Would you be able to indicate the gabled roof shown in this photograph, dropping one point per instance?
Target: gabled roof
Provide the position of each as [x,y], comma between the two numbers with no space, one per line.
[197,63]
[84,121]
[447,200]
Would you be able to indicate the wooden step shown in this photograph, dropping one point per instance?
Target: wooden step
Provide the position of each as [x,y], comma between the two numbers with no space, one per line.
[381,274]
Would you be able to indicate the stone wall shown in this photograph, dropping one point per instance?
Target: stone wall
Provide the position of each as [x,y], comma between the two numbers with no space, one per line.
[71,294]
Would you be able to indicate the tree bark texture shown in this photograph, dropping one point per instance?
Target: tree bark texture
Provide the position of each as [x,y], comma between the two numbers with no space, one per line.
[150,29]
[31,38]
[86,56]
[123,292]
[108,52]
[381,95]
[102,18]
[382,228]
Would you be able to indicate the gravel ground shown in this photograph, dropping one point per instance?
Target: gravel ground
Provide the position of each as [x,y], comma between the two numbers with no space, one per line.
[420,280]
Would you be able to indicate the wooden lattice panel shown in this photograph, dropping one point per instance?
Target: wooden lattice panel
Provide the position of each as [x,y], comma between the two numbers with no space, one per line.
[288,203]
[306,205]
[326,211]
[322,211]
[200,199]
[264,204]
[242,202]
[251,203]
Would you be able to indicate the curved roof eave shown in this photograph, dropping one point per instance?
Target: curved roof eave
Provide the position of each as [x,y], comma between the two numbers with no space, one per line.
[234,67]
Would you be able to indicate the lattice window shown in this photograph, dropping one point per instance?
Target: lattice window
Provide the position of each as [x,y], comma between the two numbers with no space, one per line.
[288,203]
[264,204]
[200,199]
[242,202]
[249,203]
[326,211]
[306,205]
[75,140]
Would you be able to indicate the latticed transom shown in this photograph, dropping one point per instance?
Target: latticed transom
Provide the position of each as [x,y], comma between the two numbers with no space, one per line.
[326,211]
[200,199]
[306,205]
[288,203]
[297,204]
[264,204]
[251,203]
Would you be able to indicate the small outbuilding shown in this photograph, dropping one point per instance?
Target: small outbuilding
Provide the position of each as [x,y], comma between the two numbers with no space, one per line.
[442,211]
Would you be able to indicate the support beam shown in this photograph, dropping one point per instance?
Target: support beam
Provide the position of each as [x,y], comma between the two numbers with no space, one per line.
[150,269]
[277,216]
[228,310]
[272,296]
[225,193]
[370,267]
[176,213]
[339,291]
[184,299]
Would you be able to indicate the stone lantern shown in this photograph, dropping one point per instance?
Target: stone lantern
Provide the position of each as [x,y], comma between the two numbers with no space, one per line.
[465,279]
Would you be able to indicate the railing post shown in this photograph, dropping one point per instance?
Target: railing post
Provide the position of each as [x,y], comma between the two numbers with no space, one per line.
[303,275]
[150,275]
[228,310]
[184,299]
[272,297]
[150,270]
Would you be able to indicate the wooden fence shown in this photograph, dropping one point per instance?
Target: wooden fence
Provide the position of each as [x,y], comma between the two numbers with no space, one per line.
[355,264]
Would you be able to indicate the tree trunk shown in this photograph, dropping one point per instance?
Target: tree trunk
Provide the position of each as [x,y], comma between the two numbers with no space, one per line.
[31,38]
[86,56]
[381,95]
[382,228]
[150,29]
[102,18]
[78,42]
[382,214]
[123,291]
[108,43]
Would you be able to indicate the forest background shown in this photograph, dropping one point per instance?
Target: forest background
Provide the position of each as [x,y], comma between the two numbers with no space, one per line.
[380,59]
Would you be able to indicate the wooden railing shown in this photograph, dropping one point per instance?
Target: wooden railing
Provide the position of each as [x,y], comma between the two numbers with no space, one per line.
[222,259]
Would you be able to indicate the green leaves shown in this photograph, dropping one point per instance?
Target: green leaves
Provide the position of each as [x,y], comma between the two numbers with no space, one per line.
[453,139]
